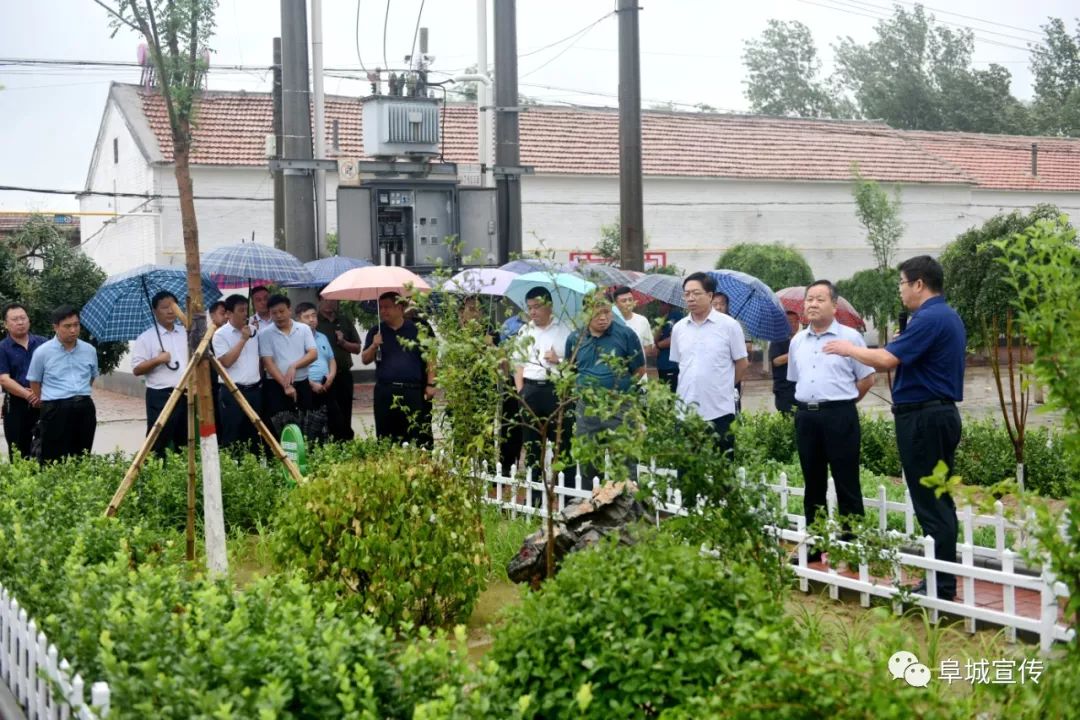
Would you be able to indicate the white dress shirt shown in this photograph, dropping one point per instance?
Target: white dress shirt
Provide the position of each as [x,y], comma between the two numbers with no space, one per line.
[147,346]
[820,377]
[245,369]
[543,339]
[707,353]
[640,325]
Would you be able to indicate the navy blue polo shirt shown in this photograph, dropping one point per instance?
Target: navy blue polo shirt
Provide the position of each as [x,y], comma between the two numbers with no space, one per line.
[932,351]
[663,355]
[618,341]
[15,359]
[399,364]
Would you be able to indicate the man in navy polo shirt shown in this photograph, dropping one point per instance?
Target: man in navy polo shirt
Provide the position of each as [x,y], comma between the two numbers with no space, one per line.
[404,384]
[928,357]
[20,403]
[607,355]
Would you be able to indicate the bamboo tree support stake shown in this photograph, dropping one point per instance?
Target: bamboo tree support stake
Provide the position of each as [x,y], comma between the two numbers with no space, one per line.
[191,470]
[264,432]
[159,425]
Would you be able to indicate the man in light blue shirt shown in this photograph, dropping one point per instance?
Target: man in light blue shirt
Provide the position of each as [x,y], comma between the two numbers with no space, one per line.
[827,387]
[323,370]
[61,373]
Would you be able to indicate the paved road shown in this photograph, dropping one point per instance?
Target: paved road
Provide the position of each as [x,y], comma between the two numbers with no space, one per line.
[122,418]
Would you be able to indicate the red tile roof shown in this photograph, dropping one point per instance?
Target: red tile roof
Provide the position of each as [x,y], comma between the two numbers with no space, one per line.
[232,127]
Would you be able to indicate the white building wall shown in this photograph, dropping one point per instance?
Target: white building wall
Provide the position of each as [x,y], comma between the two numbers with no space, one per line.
[119,242]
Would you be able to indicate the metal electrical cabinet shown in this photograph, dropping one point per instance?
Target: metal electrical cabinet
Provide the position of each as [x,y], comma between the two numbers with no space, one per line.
[413,224]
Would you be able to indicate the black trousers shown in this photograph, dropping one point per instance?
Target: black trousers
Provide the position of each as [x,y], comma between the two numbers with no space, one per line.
[538,408]
[19,422]
[339,406]
[402,414]
[725,439]
[925,436]
[671,377]
[784,398]
[275,400]
[829,439]
[234,427]
[174,432]
[67,427]
[510,438]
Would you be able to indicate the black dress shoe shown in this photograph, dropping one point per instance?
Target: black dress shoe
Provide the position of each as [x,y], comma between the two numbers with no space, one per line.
[811,557]
[920,589]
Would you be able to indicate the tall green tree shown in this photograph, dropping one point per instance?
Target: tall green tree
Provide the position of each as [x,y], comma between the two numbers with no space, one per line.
[1055,63]
[778,266]
[784,74]
[917,75]
[40,269]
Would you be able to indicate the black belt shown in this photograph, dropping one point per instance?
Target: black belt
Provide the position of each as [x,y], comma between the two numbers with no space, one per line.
[405,385]
[168,390]
[904,408]
[252,386]
[814,406]
[539,383]
[67,401]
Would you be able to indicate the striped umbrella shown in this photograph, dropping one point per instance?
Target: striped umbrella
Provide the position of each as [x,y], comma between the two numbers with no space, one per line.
[246,264]
[327,269]
[120,309]
[602,275]
[665,288]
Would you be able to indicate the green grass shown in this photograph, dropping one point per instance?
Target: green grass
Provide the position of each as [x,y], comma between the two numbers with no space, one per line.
[503,535]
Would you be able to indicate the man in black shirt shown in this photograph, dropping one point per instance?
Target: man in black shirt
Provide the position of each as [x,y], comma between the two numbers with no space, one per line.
[345,341]
[783,389]
[404,385]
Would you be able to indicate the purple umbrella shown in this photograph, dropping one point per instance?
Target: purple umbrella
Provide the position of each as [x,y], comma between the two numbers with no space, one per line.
[479,281]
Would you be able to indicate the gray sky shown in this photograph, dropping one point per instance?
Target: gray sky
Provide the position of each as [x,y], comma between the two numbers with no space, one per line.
[690,54]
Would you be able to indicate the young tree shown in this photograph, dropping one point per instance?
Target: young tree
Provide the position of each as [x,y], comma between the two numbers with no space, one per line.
[783,68]
[177,33]
[778,266]
[977,285]
[880,215]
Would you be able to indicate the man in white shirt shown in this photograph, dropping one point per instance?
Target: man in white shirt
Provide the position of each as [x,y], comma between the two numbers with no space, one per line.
[624,300]
[711,352]
[238,352]
[286,348]
[543,344]
[260,303]
[160,354]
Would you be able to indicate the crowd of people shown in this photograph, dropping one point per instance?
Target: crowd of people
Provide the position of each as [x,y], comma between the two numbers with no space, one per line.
[299,363]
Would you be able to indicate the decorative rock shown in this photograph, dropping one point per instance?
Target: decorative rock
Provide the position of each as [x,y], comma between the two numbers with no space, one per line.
[581,524]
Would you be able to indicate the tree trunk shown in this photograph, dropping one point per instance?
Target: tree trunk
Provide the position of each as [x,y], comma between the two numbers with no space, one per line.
[213,516]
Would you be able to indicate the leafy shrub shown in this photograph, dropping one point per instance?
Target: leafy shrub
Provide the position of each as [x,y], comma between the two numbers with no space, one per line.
[629,631]
[778,266]
[985,456]
[760,437]
[878,451]
[397,534]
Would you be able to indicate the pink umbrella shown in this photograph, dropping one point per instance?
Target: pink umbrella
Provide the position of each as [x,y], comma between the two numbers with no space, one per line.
[792,299]
[368,283]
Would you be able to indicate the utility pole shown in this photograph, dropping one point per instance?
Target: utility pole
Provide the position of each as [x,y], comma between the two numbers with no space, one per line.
[279,178]
[631,216]
[320,125]
[507,136]
[296,127]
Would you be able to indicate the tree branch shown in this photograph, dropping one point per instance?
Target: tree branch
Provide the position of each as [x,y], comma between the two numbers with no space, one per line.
[119,18]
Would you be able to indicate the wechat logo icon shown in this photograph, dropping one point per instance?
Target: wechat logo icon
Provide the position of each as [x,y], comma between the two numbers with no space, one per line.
[904,665]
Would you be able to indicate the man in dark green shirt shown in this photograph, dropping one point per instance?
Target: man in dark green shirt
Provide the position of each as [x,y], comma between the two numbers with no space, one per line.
[346,342]
[607,356]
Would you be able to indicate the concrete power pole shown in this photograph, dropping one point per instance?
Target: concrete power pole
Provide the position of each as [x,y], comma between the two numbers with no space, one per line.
[631,215]
[507,137]
[320,125]
[296,126]
[279,178]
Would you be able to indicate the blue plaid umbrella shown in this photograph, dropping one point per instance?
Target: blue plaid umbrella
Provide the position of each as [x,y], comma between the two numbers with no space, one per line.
[324,271]
[245,264]
[120,309]
[525,265]
[752,303]
[665,288]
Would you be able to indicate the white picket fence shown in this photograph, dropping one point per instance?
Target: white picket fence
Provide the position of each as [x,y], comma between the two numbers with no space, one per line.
[514,494]
[28,662]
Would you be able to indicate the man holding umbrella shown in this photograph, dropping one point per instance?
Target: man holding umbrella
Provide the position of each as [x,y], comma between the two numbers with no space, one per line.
[160,354]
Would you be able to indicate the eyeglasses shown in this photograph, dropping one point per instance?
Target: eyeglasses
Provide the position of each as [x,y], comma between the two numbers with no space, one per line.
[690,294]
[907,282]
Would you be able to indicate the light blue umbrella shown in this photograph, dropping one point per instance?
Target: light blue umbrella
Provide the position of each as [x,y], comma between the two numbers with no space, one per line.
[325,270]
[752,303]
[246,264]
[567,292]
[120,309]
[665,288]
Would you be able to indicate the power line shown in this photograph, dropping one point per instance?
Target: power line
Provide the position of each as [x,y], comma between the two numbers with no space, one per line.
[973,18]
[140,196]
[416,31]
[568,37]
[385,24]
[358,58]
[885,8]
